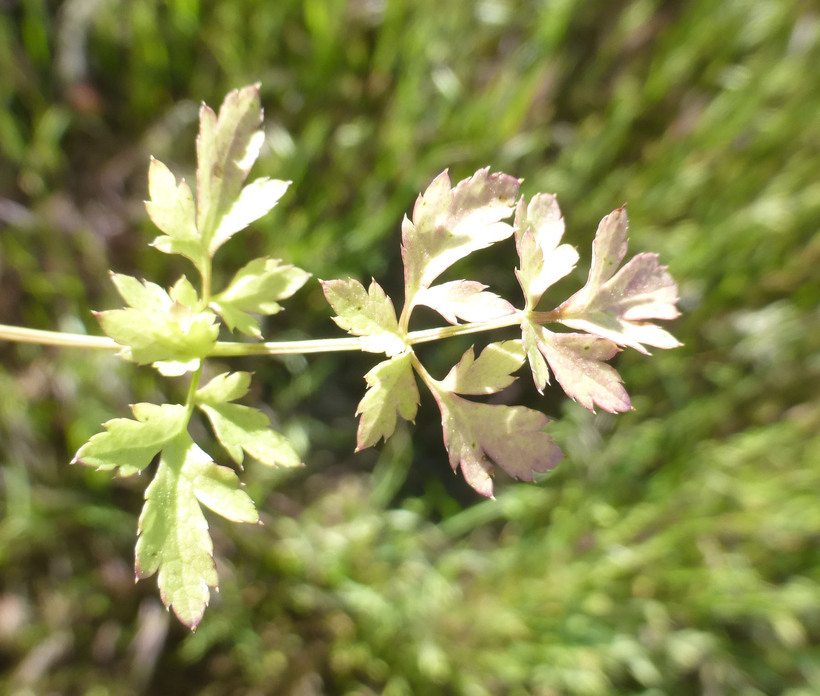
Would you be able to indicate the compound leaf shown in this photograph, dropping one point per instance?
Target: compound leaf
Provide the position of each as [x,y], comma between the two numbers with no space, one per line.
[466,300]
[490,373]
[130,445]
[368,314]
[255,289]
[476,435]
[391,392]
[618,305]
[450,223]
[173,533]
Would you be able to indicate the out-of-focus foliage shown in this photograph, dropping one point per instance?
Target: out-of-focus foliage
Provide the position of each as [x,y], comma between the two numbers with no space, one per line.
[673,552]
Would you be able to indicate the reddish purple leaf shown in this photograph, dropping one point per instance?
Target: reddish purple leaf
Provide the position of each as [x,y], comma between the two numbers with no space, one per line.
[476,435]
[617,306]
[578,363]
[449,223]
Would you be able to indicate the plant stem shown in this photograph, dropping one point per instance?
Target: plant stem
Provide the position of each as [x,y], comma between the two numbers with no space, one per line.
[19,334]
[234,349]
[190,399]
[428,379]
[428,335]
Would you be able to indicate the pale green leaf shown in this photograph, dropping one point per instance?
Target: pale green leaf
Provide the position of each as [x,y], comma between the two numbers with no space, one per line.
[172,210]
[241,428]
[143,295]
[478,435]
[391,392]
[219,488]
[177,335]
[254,201]
[227,147]
[237,319]
[130,445]
[366,313]
[173,533]
[176,368]
[185,294]
[171,207]
[255,289]
[490,373]
[228,386]
[190,249]
[450,223]
[466,300]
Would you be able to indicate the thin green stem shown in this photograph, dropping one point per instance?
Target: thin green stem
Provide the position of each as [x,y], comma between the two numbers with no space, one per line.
[426,377]
[427,335]
[19,334]
[230,349]
[226,349]
[190,399]
[545,317]
[206,275]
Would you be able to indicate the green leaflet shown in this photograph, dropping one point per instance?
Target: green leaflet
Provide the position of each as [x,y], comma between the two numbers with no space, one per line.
[171,208]
[490,373]
[254,201]
[227,147]
[173,533]
[391,392]
[157,336]
[157,327]
[256,289]
[218,488]
[240,428]
[366,313]
[228,386]
[130,445]
[142,295]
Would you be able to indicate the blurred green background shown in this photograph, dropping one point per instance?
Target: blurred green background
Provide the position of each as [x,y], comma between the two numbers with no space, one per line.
[677,548]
